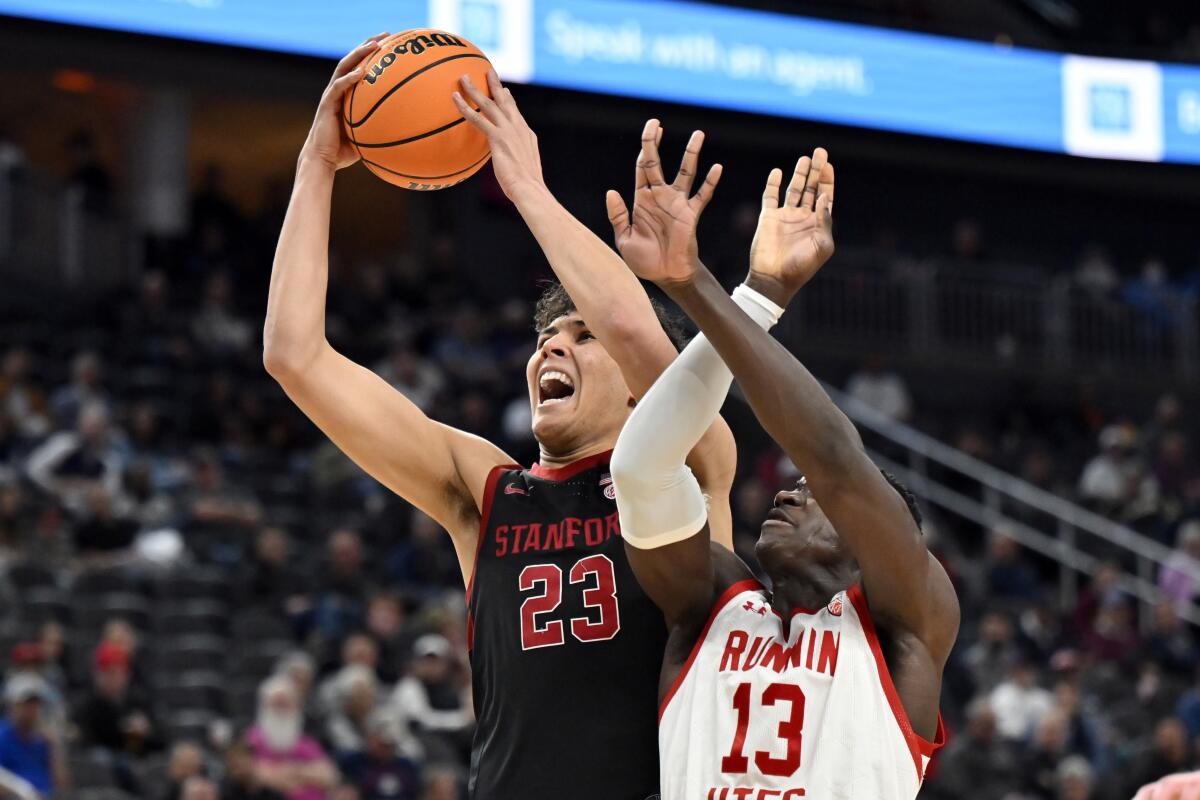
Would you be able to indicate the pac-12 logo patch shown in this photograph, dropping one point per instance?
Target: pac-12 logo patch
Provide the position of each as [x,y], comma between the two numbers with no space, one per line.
[606,483]
[835,606]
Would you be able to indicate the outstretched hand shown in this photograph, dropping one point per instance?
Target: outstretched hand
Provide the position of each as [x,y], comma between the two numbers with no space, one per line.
[794,240]
[515,157]
[327,141]
[659,241]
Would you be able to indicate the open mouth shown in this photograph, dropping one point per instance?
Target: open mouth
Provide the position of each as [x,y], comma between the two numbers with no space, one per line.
[554,387]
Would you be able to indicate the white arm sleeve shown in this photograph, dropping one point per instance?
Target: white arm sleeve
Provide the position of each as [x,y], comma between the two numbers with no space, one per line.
[658,497]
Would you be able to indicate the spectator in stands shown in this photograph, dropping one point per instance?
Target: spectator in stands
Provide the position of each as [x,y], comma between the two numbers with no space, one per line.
[414,377]
[1082,732]
[242,780]
[1008,576]
[217,509]
[1095,273]
[358,650]
[432,696]
[1168,751]
[25,751]
[198,787]
[269,580]
[1110,480]
[1177,578]
[1173,471]
[426,559]
[114,715]
[356,692]
[442,782]
[29,660]
[1171,643]
[881,389]
[301,669]
[1049,746]
[977,763]
[285,759]
[21,397]
[1152,294]
[386,625]
[86,388]
[340,600]
[379,771]
[1076,779]
[18,521]
[990,658]
[218,327]
[1188,709]
[152,332]
[1019,703]
[185,762]
[104,536]
[1112,637]
[70,464]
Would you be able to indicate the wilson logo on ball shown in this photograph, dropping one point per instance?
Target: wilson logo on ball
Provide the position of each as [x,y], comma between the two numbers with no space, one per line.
[414,46]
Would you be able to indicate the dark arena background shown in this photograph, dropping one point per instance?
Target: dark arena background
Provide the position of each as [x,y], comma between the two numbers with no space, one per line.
[1011,320]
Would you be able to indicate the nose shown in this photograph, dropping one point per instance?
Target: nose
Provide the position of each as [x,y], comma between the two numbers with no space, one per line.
[554,346]
[791,498]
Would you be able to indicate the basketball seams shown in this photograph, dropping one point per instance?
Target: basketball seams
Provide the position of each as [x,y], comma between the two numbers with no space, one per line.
[472,165]
[405,80]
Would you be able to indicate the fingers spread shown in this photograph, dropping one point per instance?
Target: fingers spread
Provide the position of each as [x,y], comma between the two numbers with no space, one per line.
[706,189]
[825,186]
[770,198]
[618,214]
[649,166]
[472,115]
[795,189]
[691,162]
[502,96]
[819,159]
[485,104]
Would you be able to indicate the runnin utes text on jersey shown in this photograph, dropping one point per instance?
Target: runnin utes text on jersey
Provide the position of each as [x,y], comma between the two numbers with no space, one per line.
[768,709]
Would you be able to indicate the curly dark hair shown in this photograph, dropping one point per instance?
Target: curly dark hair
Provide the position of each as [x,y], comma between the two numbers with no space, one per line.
[555,302]
[908,497]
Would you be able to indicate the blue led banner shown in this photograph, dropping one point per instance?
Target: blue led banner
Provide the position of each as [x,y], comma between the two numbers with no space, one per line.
[736,59]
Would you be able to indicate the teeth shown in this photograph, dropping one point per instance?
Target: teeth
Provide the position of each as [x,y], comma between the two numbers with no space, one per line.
[555,375]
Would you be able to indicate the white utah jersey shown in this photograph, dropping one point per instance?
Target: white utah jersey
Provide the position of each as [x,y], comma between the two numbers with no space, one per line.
[764,712]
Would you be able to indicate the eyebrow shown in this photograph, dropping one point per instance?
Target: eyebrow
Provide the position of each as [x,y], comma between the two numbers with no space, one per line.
[550,330]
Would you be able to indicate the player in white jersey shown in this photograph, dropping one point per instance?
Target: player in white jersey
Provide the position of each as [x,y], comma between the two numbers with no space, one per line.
[826,685]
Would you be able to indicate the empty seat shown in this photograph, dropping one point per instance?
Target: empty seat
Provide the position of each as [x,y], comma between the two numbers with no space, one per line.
[192,617]
[43,603]
[105,582]
[26,575]
[194,584]
[91,769]
[190,725]
[191,653]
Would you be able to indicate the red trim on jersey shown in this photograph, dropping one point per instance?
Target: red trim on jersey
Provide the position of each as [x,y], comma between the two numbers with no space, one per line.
[489,493]
[722,601]
[570,470]
[917,746]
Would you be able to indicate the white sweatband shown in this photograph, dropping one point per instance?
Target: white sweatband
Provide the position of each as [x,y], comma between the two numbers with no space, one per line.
[658,497]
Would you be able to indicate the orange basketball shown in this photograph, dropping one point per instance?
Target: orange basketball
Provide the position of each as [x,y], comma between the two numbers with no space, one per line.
[401,117]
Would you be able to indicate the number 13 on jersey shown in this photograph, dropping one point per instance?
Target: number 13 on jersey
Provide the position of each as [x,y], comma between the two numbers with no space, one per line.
[603,619]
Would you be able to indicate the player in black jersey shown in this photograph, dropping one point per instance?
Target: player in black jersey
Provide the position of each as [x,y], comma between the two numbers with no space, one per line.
[565,645]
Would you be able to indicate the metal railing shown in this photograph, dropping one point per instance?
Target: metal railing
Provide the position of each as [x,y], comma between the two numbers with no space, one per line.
[1078,534]
[952,314]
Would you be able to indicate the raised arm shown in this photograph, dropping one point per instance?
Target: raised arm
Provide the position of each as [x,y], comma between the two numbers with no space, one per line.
[904,585]
[609,297]
[439,469]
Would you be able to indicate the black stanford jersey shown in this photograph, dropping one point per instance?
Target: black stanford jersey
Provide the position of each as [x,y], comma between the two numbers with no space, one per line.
[566,648]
